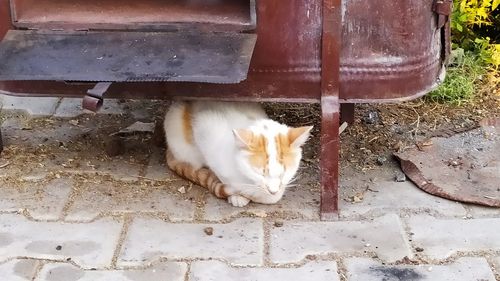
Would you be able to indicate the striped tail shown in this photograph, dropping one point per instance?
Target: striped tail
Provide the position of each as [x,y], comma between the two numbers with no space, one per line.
[203,177]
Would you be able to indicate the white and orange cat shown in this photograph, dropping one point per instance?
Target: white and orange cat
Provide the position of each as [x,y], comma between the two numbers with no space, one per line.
[233,149]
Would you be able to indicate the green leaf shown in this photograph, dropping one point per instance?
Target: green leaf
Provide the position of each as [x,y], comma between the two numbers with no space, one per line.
[495,4]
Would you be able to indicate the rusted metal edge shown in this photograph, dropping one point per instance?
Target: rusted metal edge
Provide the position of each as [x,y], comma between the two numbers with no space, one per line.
[94,99]
[330,108]
[417,177]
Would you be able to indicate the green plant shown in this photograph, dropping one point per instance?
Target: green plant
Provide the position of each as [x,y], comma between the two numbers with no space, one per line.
[477,57]
[470,20]
[460,83]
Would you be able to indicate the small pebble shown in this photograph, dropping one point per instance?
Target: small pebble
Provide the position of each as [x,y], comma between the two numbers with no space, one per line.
[400,177]
[419,249]
[209,231]
[371,118]
[59,247]
[381,160]
[278,224]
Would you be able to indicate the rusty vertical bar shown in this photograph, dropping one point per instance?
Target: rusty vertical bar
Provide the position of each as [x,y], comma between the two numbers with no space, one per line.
[347,113]
[5,20]
[330,68]
[1,141]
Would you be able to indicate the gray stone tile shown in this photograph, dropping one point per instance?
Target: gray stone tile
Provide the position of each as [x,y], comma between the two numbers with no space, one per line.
[89,245]
[440,238]
[157,169]
[69,108]
[170,271]
[239,242]
[37,167]
[72,107]
[43,201]
[105,197]
[216,270]
[36,107]
[18,270]
[464,269]
[477,211]
[388,197]
[295,240]
[301,202]
[119,168]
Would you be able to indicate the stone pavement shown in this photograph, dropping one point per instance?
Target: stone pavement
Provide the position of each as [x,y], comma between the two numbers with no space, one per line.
[70,211]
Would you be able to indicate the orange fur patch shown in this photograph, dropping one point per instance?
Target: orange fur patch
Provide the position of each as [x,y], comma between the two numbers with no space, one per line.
[187,124]
[256,145]
[258,152]
[284,150]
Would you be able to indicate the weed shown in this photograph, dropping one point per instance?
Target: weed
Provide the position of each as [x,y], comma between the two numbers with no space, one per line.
[461,80]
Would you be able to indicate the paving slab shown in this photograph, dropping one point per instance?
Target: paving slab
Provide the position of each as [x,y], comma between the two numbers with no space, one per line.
[170,271]
[293,241]
[441,238]
[37,165]
[90,245]
[477,211]
[69,108]
[42,200]
[105,197]
[18,270]
[464,269]
[298,202]
[388,196]
[239,242]
[72,107]
[216,270]
[157,169]
[35,107]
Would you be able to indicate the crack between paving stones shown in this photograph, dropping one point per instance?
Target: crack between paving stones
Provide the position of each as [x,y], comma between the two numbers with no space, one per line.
[188,272]
[38,269]
[267,241]
[342,270]
[494,269]
[58,104]
[127,221]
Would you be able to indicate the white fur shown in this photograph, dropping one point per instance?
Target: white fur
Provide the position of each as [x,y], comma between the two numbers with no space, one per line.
[216,147]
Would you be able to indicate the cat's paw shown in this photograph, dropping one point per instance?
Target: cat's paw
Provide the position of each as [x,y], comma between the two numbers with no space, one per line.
[238,201]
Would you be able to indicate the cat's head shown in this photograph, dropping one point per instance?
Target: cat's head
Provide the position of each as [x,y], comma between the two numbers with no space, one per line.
[269,153]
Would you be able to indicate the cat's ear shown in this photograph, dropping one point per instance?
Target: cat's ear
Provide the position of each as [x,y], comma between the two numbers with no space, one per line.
[243,137]
[298,136]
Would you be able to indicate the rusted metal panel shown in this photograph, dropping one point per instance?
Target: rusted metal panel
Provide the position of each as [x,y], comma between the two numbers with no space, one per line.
[5,19]
[330,108]
[463,167]
[133,15]
[390,51]
[126,56]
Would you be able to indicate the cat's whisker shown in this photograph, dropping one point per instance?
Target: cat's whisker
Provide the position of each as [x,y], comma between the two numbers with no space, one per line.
[293,180]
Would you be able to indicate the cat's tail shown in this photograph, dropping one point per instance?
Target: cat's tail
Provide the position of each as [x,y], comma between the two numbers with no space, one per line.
[203,176]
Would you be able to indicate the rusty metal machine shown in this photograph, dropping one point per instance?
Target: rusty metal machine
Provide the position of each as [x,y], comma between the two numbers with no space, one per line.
[328,51]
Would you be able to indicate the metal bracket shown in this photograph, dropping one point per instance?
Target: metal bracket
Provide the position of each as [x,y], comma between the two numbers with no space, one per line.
[94,99]
[444,8]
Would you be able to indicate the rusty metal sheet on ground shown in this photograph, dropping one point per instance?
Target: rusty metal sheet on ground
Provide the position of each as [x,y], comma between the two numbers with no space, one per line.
[126,56]
[464,167]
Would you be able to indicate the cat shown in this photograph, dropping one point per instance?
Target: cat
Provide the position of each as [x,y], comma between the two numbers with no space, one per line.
[233,149]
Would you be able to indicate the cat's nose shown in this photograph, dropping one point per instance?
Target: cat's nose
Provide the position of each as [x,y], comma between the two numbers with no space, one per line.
[273,188]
